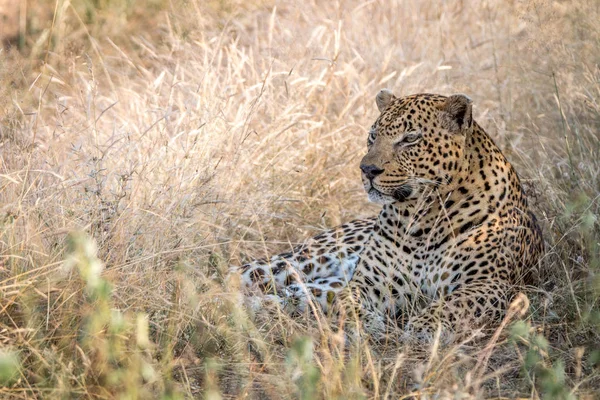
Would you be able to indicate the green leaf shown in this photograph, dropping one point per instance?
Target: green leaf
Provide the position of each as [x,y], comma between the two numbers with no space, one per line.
[9,367]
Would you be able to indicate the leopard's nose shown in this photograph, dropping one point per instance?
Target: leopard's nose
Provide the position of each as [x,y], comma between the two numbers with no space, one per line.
[371,171]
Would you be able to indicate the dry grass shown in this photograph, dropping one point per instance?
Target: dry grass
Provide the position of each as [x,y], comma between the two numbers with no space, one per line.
[185,136]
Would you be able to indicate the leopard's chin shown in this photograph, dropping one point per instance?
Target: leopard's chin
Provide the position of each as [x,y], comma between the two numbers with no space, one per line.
[375,196]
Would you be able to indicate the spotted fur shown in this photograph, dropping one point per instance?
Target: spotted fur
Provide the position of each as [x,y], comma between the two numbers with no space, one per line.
[453,240]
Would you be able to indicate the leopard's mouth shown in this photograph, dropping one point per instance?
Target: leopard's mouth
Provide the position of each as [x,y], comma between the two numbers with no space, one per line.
[402,193]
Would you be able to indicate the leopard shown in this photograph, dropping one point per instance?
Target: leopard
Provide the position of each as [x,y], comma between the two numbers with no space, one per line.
[453,244]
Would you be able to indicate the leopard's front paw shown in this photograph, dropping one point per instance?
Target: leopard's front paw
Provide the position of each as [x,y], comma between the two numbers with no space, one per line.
[426,329]
[301,295]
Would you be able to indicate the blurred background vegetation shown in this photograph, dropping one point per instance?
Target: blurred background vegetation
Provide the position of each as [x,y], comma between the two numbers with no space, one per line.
[147,145]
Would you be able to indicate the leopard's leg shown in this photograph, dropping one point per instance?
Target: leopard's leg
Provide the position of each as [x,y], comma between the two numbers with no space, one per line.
[471,306]
[373,303]
[361,315]
[315,270]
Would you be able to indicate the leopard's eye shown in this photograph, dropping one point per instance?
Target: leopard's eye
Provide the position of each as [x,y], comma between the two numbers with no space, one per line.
[408,139]
[371,137]
[413,137]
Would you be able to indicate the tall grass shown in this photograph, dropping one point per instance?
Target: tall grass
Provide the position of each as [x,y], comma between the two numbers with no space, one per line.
[147,147]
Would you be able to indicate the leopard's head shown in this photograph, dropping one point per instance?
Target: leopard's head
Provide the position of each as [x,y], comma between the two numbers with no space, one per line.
[417,144]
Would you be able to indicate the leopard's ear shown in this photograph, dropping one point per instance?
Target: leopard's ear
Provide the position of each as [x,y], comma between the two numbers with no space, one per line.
[457,113]
[384,98]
